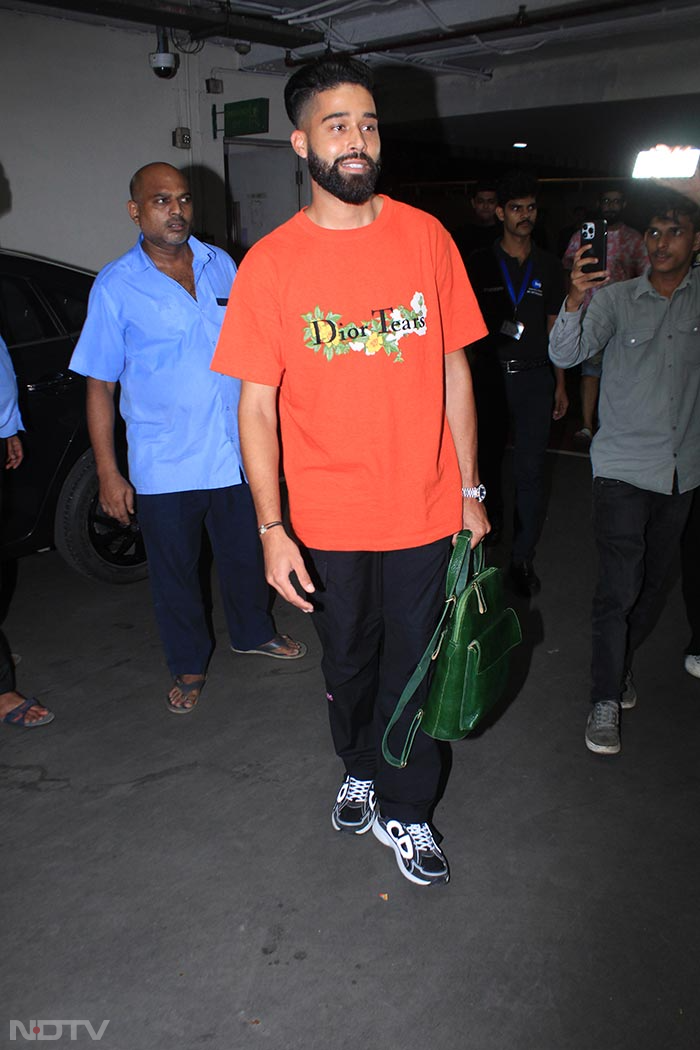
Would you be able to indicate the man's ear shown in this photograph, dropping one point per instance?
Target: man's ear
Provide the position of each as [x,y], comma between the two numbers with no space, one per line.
[133,209]
[298,141]
[696,241]
[500,213]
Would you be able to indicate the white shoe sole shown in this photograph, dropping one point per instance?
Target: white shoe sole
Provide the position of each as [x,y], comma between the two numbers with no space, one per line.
[602,749]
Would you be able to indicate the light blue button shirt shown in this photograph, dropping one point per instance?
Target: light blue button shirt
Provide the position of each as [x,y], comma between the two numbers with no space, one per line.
[10,419]
[147,332]
[650,388]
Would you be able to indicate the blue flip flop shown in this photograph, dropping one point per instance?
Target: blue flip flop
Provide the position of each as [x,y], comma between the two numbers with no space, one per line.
[273,648]
[18,715]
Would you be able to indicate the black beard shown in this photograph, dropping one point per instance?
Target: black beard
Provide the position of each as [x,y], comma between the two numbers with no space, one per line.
[351,189]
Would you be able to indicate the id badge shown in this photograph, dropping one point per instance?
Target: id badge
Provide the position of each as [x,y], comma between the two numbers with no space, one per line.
[513,329]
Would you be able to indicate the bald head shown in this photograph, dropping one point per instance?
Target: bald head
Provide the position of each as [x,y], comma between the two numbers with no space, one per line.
[157,169]
[161,205]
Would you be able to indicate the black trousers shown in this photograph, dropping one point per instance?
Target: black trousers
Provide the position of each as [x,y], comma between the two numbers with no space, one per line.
[172,525]
[376,613]
[522,401]
[637,534]
[690,573]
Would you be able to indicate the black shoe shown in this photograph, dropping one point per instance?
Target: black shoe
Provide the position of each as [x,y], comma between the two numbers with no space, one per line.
[355,807]
[524,579]
[418,855]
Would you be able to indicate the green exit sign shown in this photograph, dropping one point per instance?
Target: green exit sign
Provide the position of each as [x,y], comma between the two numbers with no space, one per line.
[248,117]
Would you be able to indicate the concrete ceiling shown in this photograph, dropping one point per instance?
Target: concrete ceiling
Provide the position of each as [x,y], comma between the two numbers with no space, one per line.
[421,39]
[470,37]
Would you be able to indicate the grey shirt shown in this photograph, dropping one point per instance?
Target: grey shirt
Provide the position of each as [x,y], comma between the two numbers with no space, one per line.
[650,388]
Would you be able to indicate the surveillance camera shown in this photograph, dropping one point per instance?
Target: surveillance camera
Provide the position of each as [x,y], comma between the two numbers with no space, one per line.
[163,64]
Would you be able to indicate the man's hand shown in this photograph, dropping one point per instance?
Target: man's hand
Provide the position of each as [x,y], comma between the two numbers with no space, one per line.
[582,282]
[14,452]
[687,187]
[475,519]
[561,400]
[117,497]
[282,557]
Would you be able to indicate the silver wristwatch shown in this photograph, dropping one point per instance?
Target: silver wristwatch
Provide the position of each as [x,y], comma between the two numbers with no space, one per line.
[477,492]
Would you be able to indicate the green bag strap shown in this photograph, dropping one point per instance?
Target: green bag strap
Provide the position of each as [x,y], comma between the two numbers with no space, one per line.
[461,569]
[410,688]
[457,579]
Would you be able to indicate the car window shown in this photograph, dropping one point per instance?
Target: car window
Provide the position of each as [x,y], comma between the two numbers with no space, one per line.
[22,317]
[71,308]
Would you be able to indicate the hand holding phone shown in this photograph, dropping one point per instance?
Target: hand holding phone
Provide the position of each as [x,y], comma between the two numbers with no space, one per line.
[594,237]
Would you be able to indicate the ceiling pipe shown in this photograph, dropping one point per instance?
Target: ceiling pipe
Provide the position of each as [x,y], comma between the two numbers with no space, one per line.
[523,19]
[201,22]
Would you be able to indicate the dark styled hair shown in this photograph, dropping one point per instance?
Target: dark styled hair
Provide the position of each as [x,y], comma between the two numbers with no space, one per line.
[322,75]
[666,204]
[514,185]
[483,186]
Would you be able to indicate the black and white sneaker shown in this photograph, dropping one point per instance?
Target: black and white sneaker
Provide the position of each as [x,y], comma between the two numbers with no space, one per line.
[418,856]
[355,807]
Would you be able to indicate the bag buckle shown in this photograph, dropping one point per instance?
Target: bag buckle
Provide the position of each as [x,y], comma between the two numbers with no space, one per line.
[437,647]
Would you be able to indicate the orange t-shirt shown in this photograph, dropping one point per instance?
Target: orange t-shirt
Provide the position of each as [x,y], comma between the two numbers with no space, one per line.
[353,325]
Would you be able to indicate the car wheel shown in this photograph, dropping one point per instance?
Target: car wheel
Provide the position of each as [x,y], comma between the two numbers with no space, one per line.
[89,541]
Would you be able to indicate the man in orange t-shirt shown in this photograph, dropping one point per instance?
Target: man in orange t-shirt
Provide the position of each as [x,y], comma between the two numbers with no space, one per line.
[347,326]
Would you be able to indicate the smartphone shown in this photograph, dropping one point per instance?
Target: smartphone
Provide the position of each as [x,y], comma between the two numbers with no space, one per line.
[594,233]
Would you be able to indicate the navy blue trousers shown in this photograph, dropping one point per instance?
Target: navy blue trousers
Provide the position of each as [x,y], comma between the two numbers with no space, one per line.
[637,533]
[172,525]
[375,614]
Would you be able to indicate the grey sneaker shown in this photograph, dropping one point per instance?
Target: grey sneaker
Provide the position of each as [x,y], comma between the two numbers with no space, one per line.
[603,728]
[628,697]
[418,856]
[355,808]
[692,665]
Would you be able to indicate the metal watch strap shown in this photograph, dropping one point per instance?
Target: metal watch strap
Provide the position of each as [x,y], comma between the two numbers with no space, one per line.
[477,492]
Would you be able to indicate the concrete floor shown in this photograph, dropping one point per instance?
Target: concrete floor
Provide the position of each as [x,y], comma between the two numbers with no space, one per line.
[180,878]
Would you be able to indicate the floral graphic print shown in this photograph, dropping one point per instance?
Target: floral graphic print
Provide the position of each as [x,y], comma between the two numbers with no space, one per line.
[328,334]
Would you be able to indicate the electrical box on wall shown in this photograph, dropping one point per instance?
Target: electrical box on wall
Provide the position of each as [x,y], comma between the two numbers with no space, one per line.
[182,138]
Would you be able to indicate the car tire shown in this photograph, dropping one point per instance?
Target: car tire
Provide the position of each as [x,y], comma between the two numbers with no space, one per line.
[90,542]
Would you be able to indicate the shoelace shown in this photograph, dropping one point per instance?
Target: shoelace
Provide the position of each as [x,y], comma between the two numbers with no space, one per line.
[358,790]
[422,836]
[605,715]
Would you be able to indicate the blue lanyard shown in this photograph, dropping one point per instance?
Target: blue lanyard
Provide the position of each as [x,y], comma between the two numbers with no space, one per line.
[509,284]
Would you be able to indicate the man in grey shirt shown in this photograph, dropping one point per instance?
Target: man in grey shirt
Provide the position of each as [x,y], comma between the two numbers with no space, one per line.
[646,454]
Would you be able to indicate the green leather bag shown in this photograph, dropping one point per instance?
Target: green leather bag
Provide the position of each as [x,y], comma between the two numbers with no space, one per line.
[470,652]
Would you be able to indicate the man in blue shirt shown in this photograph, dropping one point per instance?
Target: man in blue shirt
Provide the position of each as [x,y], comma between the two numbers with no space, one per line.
[14,709]
[152,325]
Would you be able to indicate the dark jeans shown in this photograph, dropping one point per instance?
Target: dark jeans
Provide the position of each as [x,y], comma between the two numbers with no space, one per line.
[690,573]
[376,613]
[637,533]
[523,401]
[172,526]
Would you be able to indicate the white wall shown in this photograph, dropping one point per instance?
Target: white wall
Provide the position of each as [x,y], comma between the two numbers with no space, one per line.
[81,111]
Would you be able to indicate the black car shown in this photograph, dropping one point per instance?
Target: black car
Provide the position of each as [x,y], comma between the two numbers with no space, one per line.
[51,499]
